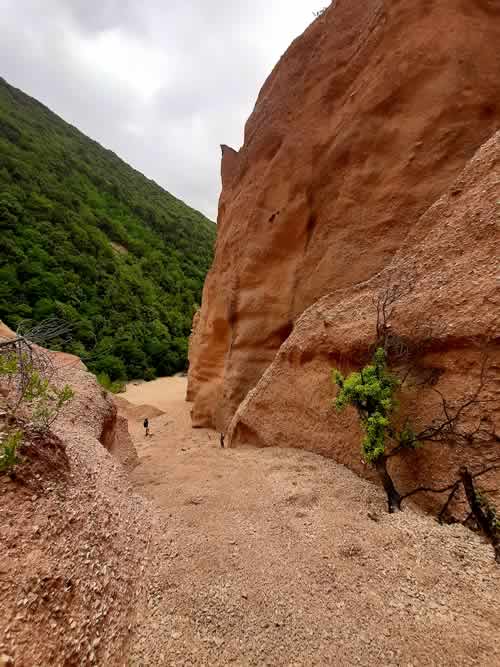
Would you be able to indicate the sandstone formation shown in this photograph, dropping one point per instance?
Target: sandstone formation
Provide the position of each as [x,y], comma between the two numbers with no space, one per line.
[73,537]
[452,311]
[194,347]
[5,331]
[114,435]
[366,121]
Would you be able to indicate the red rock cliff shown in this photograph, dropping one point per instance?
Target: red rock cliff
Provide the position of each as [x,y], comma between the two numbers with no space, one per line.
[452,316]
[363,124]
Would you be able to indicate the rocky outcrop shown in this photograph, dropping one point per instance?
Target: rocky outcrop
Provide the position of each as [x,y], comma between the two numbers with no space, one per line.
[109,427]
[73,537]
[194,346]
[452,313]
[368,118]
[115,437]
[114,434]
[5,331]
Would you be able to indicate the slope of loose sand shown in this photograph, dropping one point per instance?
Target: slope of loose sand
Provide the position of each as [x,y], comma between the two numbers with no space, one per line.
[280,557]
[161,393]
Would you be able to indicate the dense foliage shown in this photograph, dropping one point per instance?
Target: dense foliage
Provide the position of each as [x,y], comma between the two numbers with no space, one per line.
[371,391]
[85,237]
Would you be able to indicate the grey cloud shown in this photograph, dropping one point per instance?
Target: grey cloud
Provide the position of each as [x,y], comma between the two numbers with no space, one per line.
[161,82]
[95,16]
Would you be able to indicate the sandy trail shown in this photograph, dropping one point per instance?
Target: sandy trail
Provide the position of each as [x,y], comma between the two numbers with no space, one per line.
[164,393]
[280,557]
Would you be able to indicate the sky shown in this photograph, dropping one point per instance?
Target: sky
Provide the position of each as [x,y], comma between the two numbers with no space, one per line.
[162,83]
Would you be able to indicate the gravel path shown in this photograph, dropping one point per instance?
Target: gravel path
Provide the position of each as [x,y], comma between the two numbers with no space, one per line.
[280,557]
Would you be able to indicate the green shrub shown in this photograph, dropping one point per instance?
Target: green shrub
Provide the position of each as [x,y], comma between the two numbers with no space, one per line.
[30,393]
[115,387]
[8,364]
[48,402]
[490,511]
[8,451]
[149,374]
[371,391]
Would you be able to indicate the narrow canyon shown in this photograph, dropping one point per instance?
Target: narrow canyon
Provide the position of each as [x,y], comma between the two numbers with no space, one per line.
[251,523]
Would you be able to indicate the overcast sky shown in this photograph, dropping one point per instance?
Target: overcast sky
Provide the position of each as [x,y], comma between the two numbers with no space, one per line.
[161,82]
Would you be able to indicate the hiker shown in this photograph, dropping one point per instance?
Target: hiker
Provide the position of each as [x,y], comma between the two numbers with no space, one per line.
[146,426]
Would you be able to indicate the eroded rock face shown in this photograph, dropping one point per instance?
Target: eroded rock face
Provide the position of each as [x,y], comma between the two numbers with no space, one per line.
[194,347]
[363,124]
[450,259]
[74,538]
[115,437]
[5,331]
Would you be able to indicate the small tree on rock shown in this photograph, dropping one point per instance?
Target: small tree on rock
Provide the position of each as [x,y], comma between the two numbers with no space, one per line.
[373,390]
[30,398]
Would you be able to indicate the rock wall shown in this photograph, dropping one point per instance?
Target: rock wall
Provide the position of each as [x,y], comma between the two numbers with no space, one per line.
[115,437]
[98,411]
[366,120]
[453,312]
[194,346]
[74,539]
[114,434]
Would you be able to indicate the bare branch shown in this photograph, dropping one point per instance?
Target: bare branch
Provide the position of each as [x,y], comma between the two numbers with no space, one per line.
[428,489]
[386,302]
[482,512]
[45,331]
[30,356]
[447,429]
[452,494]
[486,470]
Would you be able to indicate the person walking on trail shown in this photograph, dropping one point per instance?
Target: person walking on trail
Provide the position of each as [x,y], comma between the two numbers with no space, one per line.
[146,426]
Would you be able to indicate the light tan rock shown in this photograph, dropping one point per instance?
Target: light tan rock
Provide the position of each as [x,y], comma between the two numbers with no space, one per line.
[363,124]
[135,413]
[5,331]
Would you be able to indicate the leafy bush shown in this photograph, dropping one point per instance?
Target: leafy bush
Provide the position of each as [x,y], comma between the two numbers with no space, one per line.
[149,374]
[8,451]
[465,423]
[47,401]
[371,391]
[489,509]
[31,396]
[115,387]
[8,364]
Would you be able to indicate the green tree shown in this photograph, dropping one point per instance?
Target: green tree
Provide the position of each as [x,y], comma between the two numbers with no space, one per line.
[65,204]
[371,391]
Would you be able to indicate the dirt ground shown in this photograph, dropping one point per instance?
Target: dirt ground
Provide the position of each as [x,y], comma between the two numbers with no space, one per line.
[281,557]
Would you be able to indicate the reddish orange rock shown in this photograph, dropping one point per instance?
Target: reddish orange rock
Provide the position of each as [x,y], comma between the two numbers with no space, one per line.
[451,315]
[365,122]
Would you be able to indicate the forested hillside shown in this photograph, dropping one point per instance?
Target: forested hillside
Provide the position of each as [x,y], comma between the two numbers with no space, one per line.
[85,237]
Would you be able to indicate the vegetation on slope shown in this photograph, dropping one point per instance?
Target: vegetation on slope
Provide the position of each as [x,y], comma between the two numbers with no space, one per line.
[85,237]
